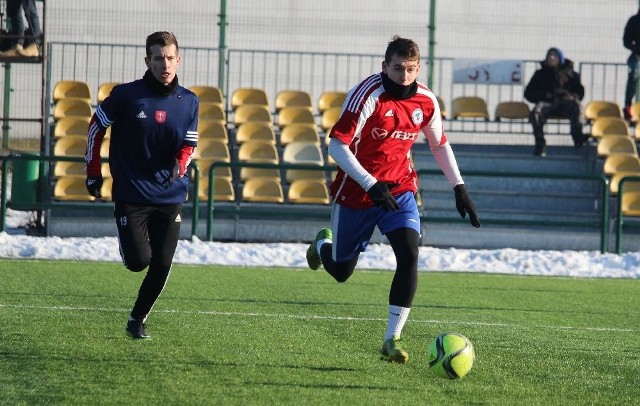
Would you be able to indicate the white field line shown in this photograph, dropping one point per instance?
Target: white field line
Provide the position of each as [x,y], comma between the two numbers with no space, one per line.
[318,317]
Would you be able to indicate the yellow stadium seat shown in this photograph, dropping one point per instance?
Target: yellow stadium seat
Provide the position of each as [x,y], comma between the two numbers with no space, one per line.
[212,129]
[295,115]
[70,146]
[211,111]
[248,173]
[262,190]
[105,190]
[208,94]
[443,108]
[258,152]
[104,147]
[306,154]
[601,108]
[293,98]
[75,89]
[469,107]
[328,100]
[71,126]
[105,89]
[246,95]
[329,118]
[245,114]
[630,204]
[609,126]
[308,191]
[621,163]
[512,110]
[616,145]
[222,190]
[67,168]
[72,108]
[208,151]
[71,188]
[614,182]
[211,148]
[299,133]
[255,131]
[219,172]
[302,152]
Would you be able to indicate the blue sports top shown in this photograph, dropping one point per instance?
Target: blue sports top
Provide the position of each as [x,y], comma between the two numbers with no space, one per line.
[150,124]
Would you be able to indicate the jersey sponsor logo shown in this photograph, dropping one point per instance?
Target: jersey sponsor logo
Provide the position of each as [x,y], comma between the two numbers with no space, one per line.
[379,133]
[389,113]
[404,135]
[417,116]
[161,116]
[141,114]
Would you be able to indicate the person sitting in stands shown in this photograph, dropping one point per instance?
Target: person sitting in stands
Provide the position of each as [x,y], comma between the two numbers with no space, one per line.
[556,90]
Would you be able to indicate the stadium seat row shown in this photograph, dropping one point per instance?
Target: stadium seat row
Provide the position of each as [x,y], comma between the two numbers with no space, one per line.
[476,107]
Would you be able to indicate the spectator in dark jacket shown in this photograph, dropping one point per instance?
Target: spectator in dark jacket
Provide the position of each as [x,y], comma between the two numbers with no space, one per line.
[556,90]
[631,41]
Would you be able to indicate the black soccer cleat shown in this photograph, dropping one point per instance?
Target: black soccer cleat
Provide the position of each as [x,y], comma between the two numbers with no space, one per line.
[137,329]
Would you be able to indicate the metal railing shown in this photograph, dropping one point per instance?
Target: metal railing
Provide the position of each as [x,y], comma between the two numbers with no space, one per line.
[212,168]
[601,225]
[273,71]
[45,201]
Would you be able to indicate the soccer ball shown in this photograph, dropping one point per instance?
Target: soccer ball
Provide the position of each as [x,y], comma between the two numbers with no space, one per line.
[451,355]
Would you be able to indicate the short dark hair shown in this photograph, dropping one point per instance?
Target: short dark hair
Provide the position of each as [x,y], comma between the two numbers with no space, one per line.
[162,38]
[404,47]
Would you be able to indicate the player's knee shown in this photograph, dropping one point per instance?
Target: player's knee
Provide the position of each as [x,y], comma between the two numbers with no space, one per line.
[136,267]
[342,272]
[136,264]
[409,252]
[341,278]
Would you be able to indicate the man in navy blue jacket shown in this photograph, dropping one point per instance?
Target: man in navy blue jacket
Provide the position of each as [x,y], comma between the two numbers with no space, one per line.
[153,135]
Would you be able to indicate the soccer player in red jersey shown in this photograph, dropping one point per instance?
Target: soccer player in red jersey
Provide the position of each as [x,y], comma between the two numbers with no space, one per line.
[381,119]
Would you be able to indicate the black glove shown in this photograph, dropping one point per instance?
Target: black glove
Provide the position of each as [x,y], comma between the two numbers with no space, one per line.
[174,173]
[465,205]
[381,197]
[94,184]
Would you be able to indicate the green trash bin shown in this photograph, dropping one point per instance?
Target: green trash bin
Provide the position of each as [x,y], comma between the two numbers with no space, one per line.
[25,180]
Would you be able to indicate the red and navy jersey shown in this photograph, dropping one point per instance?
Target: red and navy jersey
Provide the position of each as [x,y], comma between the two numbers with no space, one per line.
[148,132]
[380,132]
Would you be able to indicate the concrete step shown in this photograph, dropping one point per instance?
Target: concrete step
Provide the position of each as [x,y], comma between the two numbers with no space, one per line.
[513,159]
[514,201]
[475,184]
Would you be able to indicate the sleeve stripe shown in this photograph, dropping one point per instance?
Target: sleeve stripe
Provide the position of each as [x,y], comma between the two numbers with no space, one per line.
[102,117]
[192,136]
[364,88]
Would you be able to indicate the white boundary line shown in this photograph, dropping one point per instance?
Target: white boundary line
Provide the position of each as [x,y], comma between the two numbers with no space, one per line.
[317,317]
